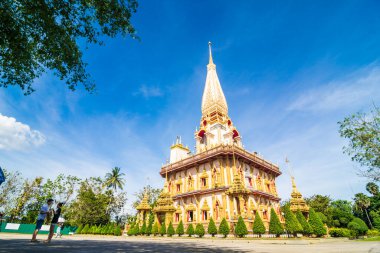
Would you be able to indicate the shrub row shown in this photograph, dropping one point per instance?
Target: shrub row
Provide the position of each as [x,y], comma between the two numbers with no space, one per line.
[109,229]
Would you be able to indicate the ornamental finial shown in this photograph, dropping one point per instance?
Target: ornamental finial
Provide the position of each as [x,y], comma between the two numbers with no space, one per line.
[209,48]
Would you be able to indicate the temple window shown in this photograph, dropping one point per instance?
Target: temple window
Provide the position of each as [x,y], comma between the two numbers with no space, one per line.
[176,217]
[178,188]
[203,182]
[250,181]
[190,216]
[265,215]
[204,215]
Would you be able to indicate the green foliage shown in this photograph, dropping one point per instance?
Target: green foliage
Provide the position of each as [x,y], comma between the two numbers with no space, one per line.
[224,229]
[143,228]
[42,35]
[114,179]
[136,229]
[117,231]
[375,216]
[322,217]
[319,203]
[155,229]
[131,230]
[85,229]
[316,224]
[212,229]
[241,228]
[339,214]
[358,226]
[363,132]
[275,226]
[292,226]
[180,229]
[304,224]
[258,225]
[373,233]
[190,230]
[98,230]
[200,230]
[339,232]
[150,224]
[163,229]
[170,231]
[79,229]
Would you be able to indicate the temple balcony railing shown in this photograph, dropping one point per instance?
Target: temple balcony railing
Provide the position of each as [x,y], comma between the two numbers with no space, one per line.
[221,150]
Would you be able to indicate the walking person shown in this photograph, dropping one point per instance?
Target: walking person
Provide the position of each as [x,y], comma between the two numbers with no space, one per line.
[41,217]
[54,221]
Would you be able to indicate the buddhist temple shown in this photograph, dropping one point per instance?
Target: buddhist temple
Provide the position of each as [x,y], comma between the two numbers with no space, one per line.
[220,179]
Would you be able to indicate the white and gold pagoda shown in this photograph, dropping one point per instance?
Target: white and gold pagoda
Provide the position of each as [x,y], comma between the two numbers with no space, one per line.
[222,179]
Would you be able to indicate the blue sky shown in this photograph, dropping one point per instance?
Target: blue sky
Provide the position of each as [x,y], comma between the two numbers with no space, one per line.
[290,70]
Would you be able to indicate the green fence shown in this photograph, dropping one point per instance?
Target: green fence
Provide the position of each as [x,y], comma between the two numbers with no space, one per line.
[29,229]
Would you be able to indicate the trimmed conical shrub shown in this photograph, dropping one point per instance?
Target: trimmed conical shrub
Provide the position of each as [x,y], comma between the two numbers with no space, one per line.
[79,229]
[292,226]
[98,230]
[224,229]
[200,230]
[117,231]
[85,229]
[130,231]
[150,225]
[190,230]
[180,229]
[155,229]
[212,229]
[241,228]
[316,224]
[143,228]
[163,229]
[305,225]
[275,226]
[170,231]
[258,225]
[136,229]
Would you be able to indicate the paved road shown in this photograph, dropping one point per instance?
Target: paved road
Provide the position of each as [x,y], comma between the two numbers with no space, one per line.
[20,243]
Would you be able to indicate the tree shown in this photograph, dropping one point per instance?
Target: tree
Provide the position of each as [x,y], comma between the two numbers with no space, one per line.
[358,227]
[155,229]
[363,133]
[305,225]
[190,230]
[200,230]
[275,226]
[143,228]
[9,191]
[224,229]
[319,203]
[117,231]
[241,228]
[339,213]
[180,229]
[372,188]
[292,226]
[211,229]
[85,229]
[170,231]
[362,202]
[150,224]
[258,225]
[316,224]
[115,179]
[136,229]
[79,229]
[43,35]
[163,229]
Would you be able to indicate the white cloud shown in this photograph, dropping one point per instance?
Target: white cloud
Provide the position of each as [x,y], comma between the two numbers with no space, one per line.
[18,136]
[354,90]
[148,92]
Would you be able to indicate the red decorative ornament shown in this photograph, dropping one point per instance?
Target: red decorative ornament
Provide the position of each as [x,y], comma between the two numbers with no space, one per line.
[235,134]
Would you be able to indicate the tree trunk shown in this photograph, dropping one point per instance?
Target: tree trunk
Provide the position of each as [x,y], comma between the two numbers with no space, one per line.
[369,220]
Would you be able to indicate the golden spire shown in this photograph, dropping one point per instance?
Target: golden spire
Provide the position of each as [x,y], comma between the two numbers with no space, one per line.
[213,96]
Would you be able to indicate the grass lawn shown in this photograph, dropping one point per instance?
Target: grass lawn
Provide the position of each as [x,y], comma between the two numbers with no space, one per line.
[372,239]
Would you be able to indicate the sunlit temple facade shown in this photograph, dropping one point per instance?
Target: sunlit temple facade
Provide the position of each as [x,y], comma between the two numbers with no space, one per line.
[221,179]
